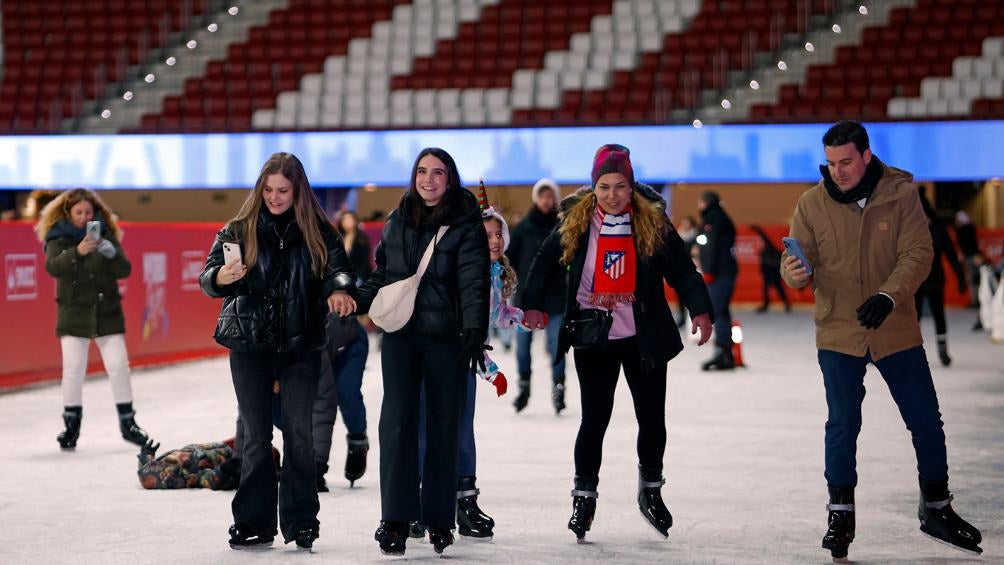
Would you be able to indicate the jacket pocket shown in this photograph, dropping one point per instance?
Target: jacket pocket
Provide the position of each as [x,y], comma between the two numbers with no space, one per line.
[824,305]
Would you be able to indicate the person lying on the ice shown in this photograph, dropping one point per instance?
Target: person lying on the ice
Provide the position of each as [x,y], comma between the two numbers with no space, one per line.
[198,465]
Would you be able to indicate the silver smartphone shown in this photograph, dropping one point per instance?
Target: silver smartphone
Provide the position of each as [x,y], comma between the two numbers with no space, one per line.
[94,229]
[231,252]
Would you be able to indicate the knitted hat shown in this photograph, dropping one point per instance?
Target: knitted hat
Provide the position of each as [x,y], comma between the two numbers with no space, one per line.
[489,213]
[545,184]
[612,158]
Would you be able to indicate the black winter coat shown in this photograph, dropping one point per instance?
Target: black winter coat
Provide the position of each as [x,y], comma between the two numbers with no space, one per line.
[279,306]
[527,237]
[718,257]
[454,293]
[655,328]
[943,246]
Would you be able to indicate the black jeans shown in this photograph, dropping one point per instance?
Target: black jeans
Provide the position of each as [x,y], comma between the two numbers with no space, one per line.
[598,370]
[409,363]
[935,295]
[258,495]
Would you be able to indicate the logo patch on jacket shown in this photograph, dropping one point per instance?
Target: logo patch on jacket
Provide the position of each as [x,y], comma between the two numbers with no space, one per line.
[883,226]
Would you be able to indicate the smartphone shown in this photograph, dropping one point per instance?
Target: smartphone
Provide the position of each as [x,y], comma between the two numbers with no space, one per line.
[94,229]
[232,251]
[793,248]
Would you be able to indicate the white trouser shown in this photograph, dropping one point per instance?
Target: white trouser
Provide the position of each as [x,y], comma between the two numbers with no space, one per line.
[114,357]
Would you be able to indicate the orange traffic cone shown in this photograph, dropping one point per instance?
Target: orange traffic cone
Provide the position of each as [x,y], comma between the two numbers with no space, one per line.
[737,343]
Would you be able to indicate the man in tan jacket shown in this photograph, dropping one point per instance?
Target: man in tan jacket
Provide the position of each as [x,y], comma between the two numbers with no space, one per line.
[865,237]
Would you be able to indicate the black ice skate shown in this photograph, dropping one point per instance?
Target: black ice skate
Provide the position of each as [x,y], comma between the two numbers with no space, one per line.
[943,356]
[939,522]
[722,360]
[71,419]
[523,397]
[650,500]
[392,537]
[416,530]
[441,538]
[583,507]
[840,523]
[241,537]
[558,397]
[472,522]
[355,459]
[131,431]
[305,537]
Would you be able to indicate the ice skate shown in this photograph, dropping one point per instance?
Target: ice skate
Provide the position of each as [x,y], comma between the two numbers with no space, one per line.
[392,537]
[943,355]
[68,438]
[583,508]
[721,361]
[558,397]
[355,459]
[939,521]
[131,431]
[650,503]
[241,537]
[523,397]
[305,537]
[441,538]
[472,522]
[416,530]
[840,523]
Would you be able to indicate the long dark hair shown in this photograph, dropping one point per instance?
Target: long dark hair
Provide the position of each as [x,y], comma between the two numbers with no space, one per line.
[413,209]
[308,211]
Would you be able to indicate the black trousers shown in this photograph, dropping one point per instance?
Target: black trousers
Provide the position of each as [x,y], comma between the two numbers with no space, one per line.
[935,295]
[410,363]
[598,371]
[258,495]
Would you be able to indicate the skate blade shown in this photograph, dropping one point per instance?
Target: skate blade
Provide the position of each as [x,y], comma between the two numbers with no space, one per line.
[841,560]
[256,547]
[953,546]
[662,536]
[486,539]
[392,553]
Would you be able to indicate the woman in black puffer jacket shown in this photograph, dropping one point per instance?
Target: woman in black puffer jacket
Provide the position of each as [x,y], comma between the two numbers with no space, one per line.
[293,271]
[434,350]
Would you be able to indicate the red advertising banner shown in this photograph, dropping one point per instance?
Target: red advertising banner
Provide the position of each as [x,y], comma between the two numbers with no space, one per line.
[167,316]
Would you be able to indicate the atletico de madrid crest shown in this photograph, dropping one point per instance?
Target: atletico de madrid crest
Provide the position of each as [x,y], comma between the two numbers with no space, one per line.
[613,264]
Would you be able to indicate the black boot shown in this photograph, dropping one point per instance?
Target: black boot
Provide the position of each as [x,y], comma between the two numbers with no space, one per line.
[392,537]
[523,397]
[416,530]
[946,360]
[241,537]
[322,484]
[131,431]
[305,537]
[650,502]
[840,524]
[583,507]
[558,397]
[472,522]
[441,538]
[941,523]
[722,360]
[355,459]
[71,419]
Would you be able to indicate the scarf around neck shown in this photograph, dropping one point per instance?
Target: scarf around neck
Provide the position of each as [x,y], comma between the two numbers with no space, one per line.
[614,273]
[864,188]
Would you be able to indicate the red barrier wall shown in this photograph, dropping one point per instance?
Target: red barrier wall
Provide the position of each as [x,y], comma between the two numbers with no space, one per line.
[167,316]
[169,319]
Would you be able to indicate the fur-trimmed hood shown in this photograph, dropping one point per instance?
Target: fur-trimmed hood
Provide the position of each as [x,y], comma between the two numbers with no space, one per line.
[641,188]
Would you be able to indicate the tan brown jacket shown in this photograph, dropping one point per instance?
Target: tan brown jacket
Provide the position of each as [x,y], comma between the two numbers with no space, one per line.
[885,247]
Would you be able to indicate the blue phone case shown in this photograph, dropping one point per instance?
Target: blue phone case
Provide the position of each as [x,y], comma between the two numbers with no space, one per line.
[792,246]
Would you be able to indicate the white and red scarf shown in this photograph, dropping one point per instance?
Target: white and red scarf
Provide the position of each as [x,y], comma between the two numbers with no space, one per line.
[614,276]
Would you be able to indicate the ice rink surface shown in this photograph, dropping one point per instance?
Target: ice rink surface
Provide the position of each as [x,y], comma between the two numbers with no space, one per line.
[743,467]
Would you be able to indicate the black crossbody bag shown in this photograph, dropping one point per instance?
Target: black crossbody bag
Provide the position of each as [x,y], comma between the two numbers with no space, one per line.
[588,328]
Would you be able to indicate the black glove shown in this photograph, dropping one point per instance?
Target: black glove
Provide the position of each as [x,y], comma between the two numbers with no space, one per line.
[473,348]
[872,313]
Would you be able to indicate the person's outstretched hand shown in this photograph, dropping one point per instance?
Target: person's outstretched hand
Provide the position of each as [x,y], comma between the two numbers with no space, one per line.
[873,312]
[472,349]
[702,323]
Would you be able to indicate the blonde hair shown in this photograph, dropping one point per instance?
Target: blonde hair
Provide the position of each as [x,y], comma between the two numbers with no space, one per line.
[509,278]
[647,225]
[309,214]
[60,206]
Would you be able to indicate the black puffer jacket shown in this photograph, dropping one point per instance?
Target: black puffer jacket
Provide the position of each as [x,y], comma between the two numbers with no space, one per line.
[280,305]
[527,237]
[655,328]
[718,253]
[453,295]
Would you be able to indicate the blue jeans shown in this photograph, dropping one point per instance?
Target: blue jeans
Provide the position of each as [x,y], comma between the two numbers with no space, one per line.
[467,454]
[908,377]
[721,290]
[525,339]
[339,387]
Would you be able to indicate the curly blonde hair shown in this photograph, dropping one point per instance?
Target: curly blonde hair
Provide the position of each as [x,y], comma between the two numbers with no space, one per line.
[59,209]
[648,223]
[509,278]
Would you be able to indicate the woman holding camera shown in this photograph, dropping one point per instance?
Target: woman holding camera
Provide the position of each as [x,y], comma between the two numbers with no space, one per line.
[293,270]
[87,261]
[616,247]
